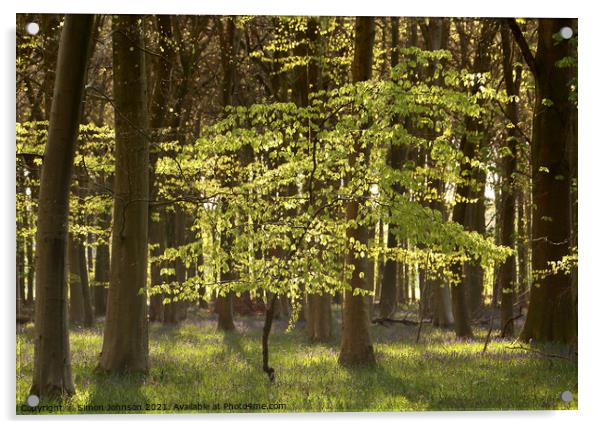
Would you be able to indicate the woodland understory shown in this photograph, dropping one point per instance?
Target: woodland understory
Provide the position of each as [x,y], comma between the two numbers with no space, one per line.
[292,209]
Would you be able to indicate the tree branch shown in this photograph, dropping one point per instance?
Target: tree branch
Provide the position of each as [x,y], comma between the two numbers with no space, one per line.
[522,44]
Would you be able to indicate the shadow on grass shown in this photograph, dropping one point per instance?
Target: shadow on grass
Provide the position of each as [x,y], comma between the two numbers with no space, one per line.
[116,394]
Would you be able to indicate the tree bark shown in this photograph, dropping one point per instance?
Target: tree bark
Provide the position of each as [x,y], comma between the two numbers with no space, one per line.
[159,119]
[229,47]
[85,285]
[76,295]
[551,314]
[125,342]
[436,36]
[224,307]
[319,319]
[508,195]
[52,360]
[101,273]
[356,345]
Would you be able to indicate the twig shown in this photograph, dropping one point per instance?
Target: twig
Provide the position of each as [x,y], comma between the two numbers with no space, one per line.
[488,334]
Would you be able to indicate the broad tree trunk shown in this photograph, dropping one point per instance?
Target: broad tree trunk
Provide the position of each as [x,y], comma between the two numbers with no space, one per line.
[52,360]
[356,345]
[551,315]
[125,342]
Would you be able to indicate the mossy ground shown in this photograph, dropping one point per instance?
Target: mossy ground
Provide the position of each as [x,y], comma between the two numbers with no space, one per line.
[194,364]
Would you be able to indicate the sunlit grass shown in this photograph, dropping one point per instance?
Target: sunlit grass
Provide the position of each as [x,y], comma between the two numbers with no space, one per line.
[195,364]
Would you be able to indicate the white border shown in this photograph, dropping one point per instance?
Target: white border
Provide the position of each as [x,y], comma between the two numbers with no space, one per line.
[589,207]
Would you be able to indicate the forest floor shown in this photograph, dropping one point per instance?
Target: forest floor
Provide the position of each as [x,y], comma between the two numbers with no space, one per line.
[195,368]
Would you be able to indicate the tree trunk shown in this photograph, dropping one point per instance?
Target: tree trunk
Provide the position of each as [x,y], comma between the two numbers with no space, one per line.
[229,47]
[52,360]
[470,276]
[125,342]
[76,295]
[388,291]
[181,224]
[442,313]
[356,345]
[29,246]
[159,118]
[473,271]
[507,232]
[522,251]
[20,265]
[551,315]
[157,237]
[436,36]
[101,275]
[85,285]
[319,319]
[171,309]
[224,307]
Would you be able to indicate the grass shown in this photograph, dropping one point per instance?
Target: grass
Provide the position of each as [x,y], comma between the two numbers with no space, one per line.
[194,364]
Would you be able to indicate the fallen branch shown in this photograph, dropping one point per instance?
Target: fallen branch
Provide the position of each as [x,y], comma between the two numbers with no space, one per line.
[384,320]
[539,352]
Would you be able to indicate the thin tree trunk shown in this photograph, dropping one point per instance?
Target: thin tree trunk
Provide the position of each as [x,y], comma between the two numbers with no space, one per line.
[85,285]
[159,118]
[229,47]
[508,268]
[76,296]
[522,253]
[319,319]
[101,272]
[157,235]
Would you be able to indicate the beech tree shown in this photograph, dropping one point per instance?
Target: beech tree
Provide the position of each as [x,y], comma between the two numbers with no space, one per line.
[125,340]
[356,344]
[552,313]
[512,81]
[279,163]
[52,360]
